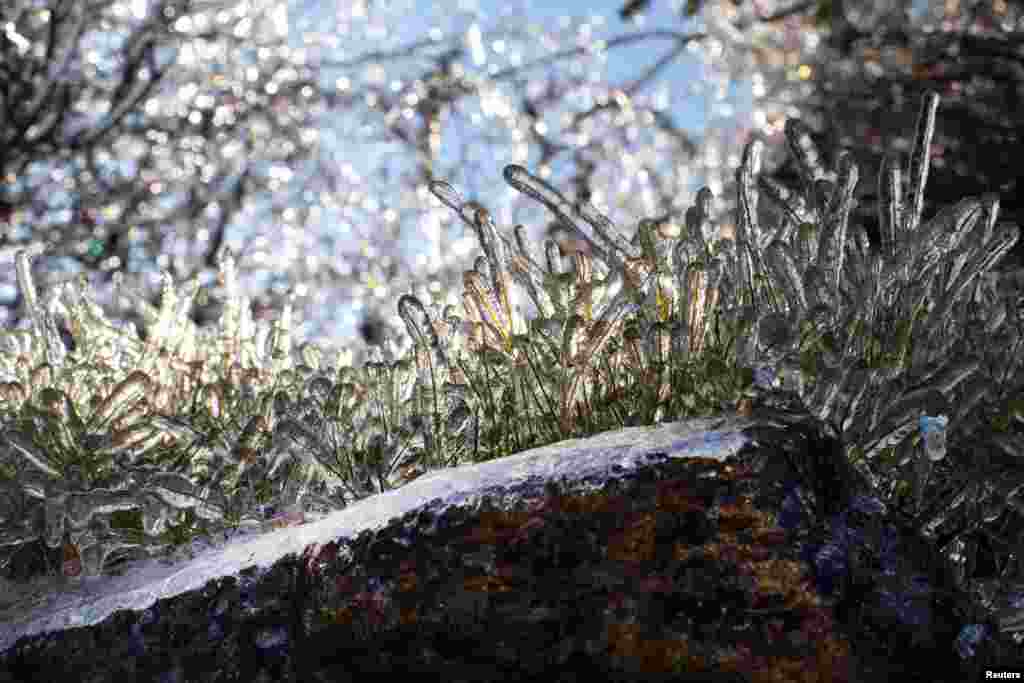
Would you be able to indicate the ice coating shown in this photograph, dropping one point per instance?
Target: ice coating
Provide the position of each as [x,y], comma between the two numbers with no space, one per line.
[869,339]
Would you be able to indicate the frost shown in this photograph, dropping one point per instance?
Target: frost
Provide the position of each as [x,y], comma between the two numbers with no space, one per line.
[910,352]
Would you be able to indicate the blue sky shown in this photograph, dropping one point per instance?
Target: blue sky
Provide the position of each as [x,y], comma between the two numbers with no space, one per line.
[629,60]
[623,63]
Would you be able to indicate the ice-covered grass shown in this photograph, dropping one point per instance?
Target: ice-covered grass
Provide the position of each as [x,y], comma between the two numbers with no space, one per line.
[124,445]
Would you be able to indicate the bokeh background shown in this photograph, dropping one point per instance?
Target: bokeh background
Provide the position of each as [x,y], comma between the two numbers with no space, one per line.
[145,136]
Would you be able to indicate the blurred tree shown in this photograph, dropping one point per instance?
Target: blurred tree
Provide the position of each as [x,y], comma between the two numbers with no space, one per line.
[123,129]
[771,44]
[147,132]
[876,64]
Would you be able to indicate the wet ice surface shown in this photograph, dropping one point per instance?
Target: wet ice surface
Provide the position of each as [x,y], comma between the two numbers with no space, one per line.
[147,581]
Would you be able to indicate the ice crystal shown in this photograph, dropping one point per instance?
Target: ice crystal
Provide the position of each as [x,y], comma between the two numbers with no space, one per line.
[910,353]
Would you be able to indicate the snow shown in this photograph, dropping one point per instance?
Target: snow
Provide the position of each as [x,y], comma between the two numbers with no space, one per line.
[147,581]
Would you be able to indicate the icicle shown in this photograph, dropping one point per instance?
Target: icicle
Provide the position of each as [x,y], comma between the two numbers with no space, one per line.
[801,145]
[420,325]
[684,256]
[920,157]
[890,204]
[229,333]
[526,254]
[451,198]
[42,321]
[944,233]
[487,235]
[832,246]
[793,204]
[281,352]
[619,249]
[525,277]
[748,231]
[490,310]
[785,271]
[696,302]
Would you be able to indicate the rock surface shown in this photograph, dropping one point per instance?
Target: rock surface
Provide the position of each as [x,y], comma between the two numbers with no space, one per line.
[739,548]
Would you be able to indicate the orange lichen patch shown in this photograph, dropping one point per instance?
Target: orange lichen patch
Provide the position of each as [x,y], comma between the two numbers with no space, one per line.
[803,597]
[584,505]
[733,658]
[72,563]
[651,656]
[623,639]
[829,661]
[833,657]
[635,542]
[486,584]
[783,578]
[741,540]
[497,526]
[408,616]
[786,670]
[741,515]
